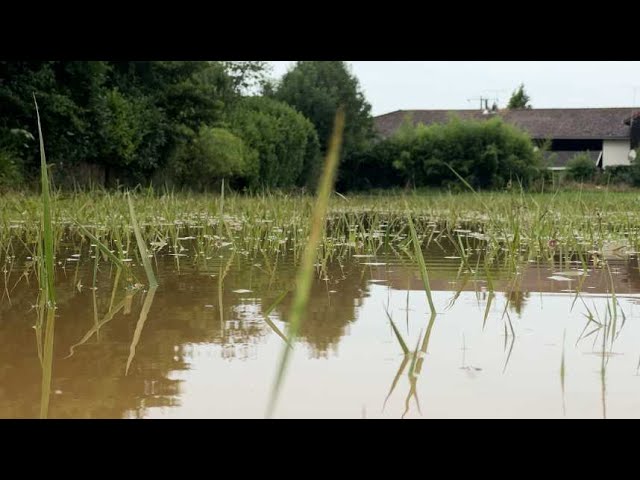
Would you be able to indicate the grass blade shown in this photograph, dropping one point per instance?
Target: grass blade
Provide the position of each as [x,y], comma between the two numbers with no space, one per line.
[46,276]
[421,263]
[103,248]
[305,272]
[144,254]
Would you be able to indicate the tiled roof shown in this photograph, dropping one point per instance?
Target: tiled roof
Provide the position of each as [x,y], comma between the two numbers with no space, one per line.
[539,123]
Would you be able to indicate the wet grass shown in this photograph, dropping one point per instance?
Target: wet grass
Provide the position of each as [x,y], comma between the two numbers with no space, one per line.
[536,227]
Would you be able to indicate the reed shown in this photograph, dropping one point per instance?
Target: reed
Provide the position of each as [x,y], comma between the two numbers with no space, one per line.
[304,277]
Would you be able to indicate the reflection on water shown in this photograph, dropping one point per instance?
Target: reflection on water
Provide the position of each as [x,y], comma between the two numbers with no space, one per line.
[198,345]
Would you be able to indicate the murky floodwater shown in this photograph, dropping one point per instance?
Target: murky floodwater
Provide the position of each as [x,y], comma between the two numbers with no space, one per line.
[199,347]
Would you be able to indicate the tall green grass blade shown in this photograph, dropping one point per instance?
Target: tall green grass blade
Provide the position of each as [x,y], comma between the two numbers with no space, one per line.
[144,254]
[46,275]
[421,263]
[46,225]
[304,277]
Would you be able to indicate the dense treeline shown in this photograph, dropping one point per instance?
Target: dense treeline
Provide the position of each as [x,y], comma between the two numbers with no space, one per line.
[181,123]
[191,124]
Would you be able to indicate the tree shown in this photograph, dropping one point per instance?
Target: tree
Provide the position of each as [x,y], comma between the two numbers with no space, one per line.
[128,117]
[248,76]
[316,89]
[519,99]
[285,141]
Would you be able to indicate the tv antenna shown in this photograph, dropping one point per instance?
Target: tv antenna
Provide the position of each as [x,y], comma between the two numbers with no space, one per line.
[484,102]
[497,93]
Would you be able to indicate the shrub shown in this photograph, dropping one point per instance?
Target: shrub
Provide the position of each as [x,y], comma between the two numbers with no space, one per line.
[10,170]
[486,153]
[581,168]
[285,141]
[211,155]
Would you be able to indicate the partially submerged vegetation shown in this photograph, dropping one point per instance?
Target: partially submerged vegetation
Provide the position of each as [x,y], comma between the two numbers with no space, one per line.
[528,226]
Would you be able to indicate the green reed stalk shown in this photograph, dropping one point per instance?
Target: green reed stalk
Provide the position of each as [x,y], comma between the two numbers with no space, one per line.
[304,276]
[421,264]
[46,276]
[142,247]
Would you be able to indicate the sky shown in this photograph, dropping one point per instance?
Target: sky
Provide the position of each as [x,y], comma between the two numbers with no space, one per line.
[391,86]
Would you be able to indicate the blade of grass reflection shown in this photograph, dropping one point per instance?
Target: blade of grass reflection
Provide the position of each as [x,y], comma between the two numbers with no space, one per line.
[562,372]
[401,341]
[268,321]
[106,319]
[47,363]
[412,379]
[221,277]
[139,326]
[399,373]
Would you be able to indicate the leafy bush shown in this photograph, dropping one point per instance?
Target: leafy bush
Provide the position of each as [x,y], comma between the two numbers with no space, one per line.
[581,168]
[616,175]
[487,154]
[211,155]
[285,141]
[10,170]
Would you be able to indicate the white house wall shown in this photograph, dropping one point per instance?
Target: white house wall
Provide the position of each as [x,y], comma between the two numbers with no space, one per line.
[615,152]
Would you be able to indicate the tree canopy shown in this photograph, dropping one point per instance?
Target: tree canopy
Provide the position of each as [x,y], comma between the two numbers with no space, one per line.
[519,99]
[316,89]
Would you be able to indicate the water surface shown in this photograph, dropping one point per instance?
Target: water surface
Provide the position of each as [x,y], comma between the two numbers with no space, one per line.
[202,347]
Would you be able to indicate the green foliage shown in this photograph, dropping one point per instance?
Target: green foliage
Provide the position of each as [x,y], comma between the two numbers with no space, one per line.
[10,172]
[519,99]
[127,117]
[247,76]
[634,173]
[316,89]
[285,141]
[13,143]
[617,175]
[581,168]
[487,154]
[212,154]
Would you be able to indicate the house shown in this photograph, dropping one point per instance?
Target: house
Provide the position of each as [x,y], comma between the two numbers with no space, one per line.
[608,134]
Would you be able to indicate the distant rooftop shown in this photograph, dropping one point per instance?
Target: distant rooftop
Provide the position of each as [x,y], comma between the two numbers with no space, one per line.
[539,123]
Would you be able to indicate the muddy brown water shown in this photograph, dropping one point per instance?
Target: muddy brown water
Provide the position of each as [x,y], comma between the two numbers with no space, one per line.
[205,350]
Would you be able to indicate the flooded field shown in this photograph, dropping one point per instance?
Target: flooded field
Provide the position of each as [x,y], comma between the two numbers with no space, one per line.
[515,335]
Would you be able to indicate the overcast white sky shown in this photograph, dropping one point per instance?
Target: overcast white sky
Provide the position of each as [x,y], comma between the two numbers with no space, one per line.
[391,86]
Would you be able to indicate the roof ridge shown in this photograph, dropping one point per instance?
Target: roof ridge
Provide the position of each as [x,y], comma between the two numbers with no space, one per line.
[504,109]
